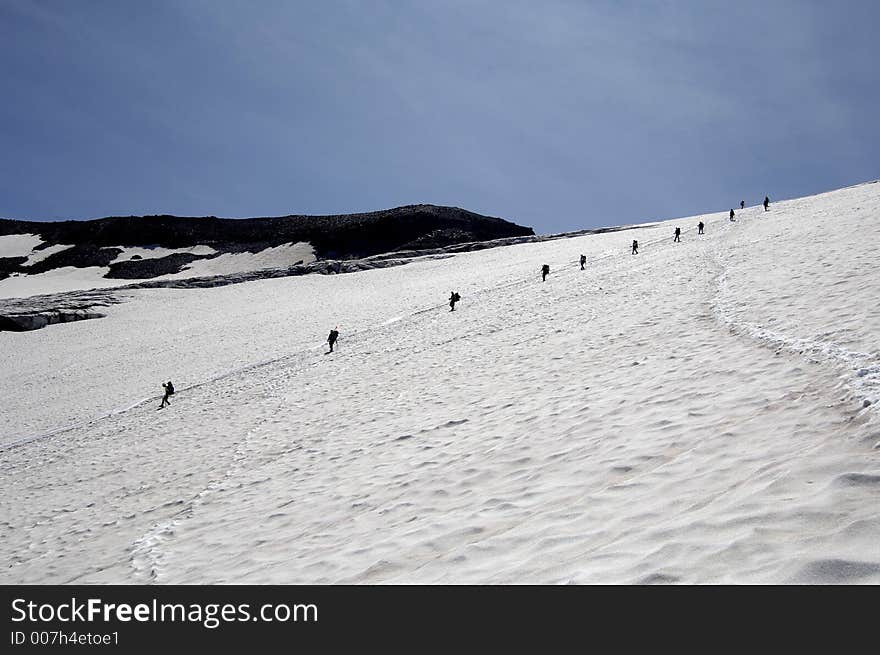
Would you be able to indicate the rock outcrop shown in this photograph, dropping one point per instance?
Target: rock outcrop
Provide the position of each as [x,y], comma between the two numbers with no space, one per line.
[24,314]
[336,237]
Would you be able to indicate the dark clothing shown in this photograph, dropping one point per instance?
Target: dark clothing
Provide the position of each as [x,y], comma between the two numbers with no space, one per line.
[731,214]
[334,335]
[742,204]
[700,227]
[583,261]
[635,247]
[453,298]
[545,270]
[677,234]
[169,391]
[766,203]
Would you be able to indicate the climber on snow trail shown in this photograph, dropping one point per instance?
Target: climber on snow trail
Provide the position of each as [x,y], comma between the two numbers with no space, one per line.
[677,235]
[731,215]
[766,203]
[331,339]
[700,227]
[635,247]
[583,261]
[545,271]
[453,298]
[169,391]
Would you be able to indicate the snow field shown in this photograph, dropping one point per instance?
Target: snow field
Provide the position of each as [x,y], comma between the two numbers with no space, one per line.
[691,414]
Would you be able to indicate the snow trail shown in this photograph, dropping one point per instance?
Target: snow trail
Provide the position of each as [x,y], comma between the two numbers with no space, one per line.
[609,425]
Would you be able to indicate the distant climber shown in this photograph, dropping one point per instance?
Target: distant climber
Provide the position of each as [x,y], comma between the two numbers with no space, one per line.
[700,227]
[742,204]
[766,203]
[731,215]
[677,235]
[453,298]
[583,261]
[331,339]
[635,247]
[169,391]
[545,271]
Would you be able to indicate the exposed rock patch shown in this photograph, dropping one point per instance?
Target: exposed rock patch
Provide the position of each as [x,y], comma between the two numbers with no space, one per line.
[138,268]
[9,265]
[79,256]
[24,314]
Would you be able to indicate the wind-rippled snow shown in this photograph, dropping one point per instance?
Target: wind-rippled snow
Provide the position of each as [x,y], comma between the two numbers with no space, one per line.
[701,412]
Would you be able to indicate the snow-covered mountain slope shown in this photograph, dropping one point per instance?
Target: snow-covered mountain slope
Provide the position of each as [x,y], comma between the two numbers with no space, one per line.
[704,411]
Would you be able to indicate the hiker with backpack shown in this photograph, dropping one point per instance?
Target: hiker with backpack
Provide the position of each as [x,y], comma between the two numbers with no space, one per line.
[677,235]
[583,261]
[453,298]
[635,249]
[169,391]
[331,339]
[700,227]
[731,215]
[545,271]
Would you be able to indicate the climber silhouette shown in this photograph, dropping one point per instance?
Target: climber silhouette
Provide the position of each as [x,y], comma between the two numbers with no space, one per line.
[332,337]
[169,391]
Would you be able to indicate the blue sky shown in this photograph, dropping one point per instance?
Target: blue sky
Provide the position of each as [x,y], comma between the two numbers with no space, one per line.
[559,115]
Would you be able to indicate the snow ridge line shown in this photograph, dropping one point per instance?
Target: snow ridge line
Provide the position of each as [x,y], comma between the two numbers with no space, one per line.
[67,428]
[861,370]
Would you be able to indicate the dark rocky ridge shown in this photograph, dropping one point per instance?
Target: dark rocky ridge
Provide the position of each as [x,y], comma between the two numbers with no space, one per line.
[341,237]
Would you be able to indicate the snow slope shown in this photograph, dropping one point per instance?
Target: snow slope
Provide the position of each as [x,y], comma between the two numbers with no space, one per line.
[18,245]
[701,412]
[37,256]
[57,280]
